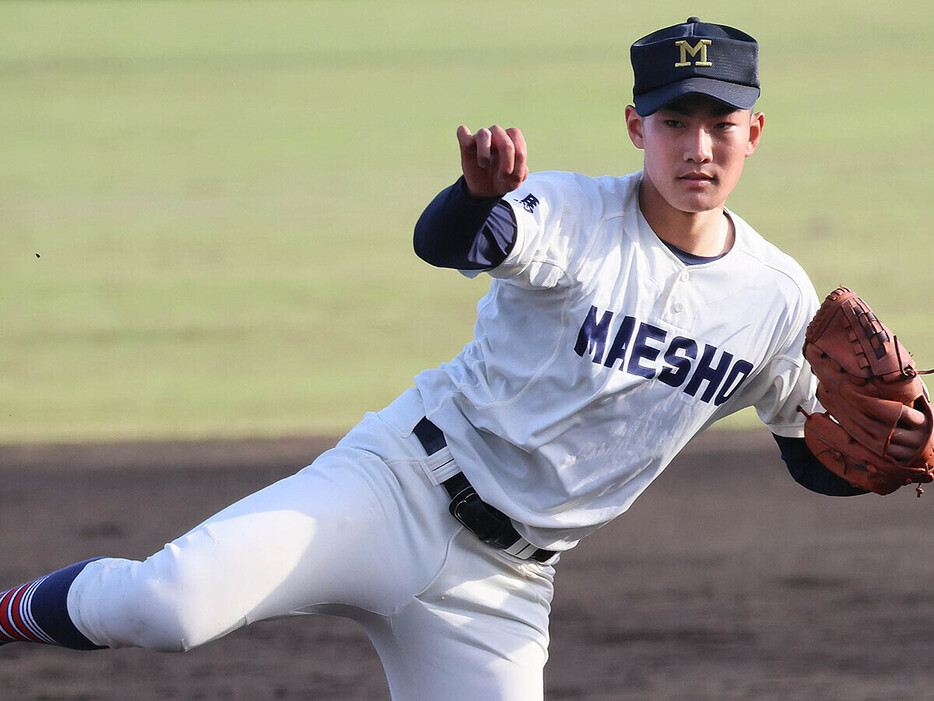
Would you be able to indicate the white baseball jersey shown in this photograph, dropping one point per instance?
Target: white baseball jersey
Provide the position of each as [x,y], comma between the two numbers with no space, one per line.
[598,354]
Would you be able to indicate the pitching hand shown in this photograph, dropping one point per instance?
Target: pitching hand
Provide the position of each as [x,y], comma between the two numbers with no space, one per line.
[493,160]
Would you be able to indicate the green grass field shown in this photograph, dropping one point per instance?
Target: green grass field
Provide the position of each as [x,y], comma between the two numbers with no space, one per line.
[206,207]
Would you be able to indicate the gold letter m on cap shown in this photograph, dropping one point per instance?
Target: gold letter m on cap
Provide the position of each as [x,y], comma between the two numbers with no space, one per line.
[686,49]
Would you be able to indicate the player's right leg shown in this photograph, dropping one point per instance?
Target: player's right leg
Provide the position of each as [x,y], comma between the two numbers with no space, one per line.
[333,533]
[364,531]
[361,527]
[38,612]
[268,555]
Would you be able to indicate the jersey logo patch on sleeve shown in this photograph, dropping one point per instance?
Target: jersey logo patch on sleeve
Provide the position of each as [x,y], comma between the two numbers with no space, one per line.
[529,203]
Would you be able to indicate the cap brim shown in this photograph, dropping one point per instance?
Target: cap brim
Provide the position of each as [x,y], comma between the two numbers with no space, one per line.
[741,97]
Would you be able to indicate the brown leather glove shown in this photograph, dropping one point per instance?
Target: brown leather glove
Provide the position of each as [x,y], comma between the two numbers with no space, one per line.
[866,379]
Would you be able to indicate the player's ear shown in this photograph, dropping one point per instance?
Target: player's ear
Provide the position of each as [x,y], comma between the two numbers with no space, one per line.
[756,124]
[634,126]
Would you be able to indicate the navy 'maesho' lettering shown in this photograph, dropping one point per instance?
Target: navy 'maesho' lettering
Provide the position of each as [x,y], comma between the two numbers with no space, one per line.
[644,350]
[620,342]
[641,350]
[738,373]
[705,372]
[681,351]
[592,336]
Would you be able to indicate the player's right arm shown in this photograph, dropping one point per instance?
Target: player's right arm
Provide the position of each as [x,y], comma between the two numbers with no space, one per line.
[466,227]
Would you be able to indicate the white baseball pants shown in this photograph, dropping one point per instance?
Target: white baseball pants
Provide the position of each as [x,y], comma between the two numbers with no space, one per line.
[363,532]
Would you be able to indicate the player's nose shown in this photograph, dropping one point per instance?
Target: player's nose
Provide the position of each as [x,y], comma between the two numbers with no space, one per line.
[698,146]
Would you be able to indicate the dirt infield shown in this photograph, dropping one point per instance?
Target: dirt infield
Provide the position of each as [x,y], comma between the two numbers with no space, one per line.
[724,581]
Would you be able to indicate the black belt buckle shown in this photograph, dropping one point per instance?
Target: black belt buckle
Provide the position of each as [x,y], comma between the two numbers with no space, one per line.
[489,524]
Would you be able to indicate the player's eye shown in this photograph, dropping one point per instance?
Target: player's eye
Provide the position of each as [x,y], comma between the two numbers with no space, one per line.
[672,123]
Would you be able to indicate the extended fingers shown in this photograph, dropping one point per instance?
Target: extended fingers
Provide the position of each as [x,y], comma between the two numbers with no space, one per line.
[470,144]
[465,139]
[508,145]
[520,167]
[505,150]
[494,156]
[483,140]
[511,157]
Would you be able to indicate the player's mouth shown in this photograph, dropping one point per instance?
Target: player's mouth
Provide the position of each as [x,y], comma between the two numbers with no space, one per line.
[697,178]
[698,182]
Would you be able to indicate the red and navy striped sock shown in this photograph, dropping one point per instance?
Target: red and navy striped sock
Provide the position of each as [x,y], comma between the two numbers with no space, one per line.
[38,612]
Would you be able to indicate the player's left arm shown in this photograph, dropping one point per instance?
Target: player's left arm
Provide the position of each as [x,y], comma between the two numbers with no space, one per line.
[810,472]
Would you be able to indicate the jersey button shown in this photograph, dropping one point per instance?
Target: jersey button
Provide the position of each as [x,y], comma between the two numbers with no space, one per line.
[677,307]
[685,276]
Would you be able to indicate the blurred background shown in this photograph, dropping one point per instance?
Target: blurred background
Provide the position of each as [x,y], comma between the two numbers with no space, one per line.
[206,207]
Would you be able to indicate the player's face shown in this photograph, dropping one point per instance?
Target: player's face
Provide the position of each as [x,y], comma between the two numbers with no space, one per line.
[695,149]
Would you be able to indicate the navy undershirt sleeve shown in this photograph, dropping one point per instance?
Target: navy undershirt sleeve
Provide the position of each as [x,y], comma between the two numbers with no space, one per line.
[810,472]
[463,232]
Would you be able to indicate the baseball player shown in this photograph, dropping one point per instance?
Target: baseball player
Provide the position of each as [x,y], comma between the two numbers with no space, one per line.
[625,315]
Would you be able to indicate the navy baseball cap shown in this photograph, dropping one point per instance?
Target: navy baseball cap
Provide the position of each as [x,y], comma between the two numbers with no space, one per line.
[695,58]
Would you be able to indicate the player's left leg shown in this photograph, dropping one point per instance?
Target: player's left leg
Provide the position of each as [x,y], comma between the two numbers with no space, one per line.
[479,630]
